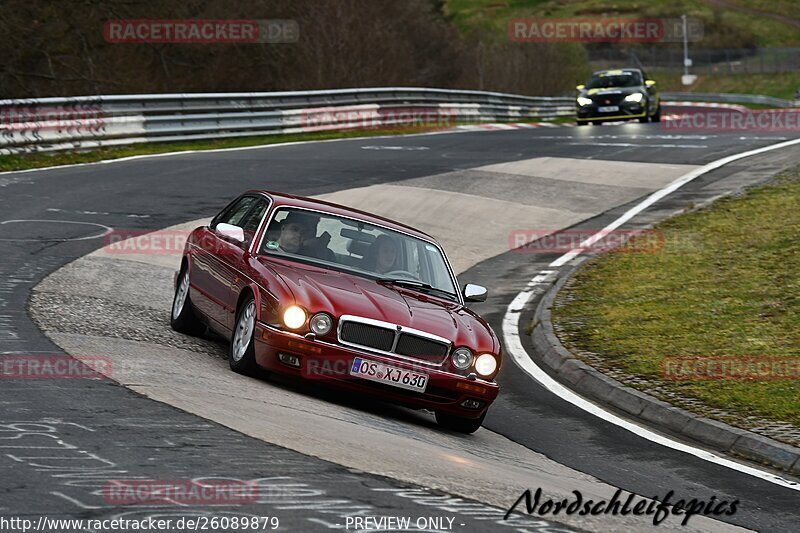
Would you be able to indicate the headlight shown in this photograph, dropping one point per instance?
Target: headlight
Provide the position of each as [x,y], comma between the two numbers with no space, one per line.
[582,101]
[462,358]
[635,97]
[485,364]
[294,317]
[321,323]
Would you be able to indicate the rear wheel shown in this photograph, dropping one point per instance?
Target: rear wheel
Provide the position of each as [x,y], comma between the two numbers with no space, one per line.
[242,352]
[182,318]
[596,122]
[645,119]
[459,423]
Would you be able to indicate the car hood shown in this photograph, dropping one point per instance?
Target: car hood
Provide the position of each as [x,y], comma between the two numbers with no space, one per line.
[340,294]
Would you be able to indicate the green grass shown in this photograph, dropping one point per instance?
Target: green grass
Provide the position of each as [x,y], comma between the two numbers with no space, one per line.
[725,284]
[724,28]
[727,26]
[781,85]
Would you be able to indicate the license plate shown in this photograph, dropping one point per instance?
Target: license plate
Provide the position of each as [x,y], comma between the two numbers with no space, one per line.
[608,108]
[390,375]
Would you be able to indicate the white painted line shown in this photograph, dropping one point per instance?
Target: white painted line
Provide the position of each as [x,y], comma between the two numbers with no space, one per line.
[524,361]
[107,230]
[388,147]
[700,146]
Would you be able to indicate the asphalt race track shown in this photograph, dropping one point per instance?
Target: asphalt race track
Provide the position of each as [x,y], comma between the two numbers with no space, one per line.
[180,413]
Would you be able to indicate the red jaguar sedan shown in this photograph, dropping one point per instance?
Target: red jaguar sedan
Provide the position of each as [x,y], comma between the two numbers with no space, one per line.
[326,292]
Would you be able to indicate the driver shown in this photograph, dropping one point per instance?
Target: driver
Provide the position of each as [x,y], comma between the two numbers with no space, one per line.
[291,236]
[299,236]
[382,255]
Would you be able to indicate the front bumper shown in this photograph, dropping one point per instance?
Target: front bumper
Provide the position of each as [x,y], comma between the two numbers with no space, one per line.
[329,364]
[626,111]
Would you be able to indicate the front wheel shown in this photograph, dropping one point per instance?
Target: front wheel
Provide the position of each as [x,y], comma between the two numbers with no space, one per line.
[242,352]
[657,116]
[182,318]
[459,423]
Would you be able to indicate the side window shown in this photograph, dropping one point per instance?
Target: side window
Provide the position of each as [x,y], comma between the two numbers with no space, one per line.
[235,213]
[252,220]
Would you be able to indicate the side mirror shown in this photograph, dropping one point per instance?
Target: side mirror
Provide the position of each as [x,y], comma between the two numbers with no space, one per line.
[580,87]
[649,83]
[475,293]
[235,233]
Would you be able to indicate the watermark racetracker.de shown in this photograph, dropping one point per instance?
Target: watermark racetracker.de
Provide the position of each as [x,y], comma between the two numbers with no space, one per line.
[200,31]
[374,117]
[736,120]
[181,492]
[592,241]
[22,366]
[603,30]
[741,368]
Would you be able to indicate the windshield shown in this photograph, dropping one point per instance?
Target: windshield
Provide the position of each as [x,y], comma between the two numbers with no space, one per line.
[357,247]
[605,81]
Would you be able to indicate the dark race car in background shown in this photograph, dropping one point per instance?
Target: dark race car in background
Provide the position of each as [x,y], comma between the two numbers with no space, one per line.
[624,94]
[324,292]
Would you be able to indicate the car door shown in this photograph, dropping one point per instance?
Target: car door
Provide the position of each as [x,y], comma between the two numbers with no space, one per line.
[211,272]
[237,258]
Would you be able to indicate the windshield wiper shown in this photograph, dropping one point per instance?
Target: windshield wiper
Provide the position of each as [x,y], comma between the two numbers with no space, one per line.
[417,285]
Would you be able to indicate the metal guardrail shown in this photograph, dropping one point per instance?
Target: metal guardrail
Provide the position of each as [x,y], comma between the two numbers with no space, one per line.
[728,98]
[49,124]
[83,122]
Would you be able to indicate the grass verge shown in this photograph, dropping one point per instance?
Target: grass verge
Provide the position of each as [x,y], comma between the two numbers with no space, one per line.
[725,285]
[779,85]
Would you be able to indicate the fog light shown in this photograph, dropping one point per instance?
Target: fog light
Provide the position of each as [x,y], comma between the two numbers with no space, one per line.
[472,404]
[289,359]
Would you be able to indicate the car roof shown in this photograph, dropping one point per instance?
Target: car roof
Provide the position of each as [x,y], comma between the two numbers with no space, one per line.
[291,200]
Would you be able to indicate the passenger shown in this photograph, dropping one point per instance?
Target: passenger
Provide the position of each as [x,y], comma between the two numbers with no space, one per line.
[382,255]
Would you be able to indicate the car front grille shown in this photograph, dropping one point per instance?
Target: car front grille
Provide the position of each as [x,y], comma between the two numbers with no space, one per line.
[418,347]
[391,339]
[367,335]
[608,99]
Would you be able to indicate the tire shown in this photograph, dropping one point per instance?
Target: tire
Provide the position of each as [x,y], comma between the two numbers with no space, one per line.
[182,317]
[458,423]
[657,116]
[581,123]
[596,122]
[242,350]
[645,119]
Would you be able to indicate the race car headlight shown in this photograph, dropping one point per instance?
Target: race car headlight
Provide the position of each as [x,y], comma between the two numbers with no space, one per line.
[294,317]
[321,323]
[582,101]
[485,364]
[462,358]
[635,97]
